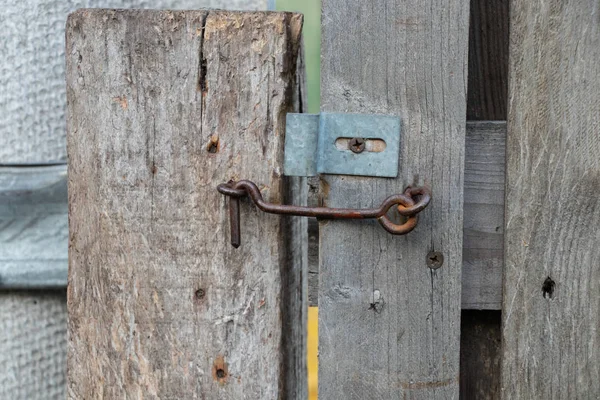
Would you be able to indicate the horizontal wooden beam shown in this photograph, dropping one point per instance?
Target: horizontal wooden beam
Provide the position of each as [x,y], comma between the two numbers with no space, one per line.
[483,229]
[483,219]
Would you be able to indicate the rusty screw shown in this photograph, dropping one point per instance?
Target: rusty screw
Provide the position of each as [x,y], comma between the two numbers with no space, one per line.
[357,145]
[435,259]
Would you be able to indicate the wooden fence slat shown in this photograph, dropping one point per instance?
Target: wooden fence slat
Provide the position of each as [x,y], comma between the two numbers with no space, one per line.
[163,106]
[388,325]
[483,229]
[551,303]
[483,239]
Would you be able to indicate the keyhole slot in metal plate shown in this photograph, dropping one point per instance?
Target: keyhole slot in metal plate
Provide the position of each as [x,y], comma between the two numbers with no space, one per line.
[332,143]
[372,145]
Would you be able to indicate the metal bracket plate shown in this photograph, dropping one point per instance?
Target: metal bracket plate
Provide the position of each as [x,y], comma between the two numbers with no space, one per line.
[318,144]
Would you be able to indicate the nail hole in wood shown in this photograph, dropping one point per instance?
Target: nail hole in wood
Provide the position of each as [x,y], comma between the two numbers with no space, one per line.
[220,371]
[213,144]
[548,288]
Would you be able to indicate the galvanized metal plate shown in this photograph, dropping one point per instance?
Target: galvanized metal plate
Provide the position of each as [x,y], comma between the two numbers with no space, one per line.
[318,143]
[301,141]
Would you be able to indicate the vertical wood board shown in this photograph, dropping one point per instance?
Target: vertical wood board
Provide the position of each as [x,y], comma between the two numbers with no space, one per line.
[163,106]
[482,276]
[483,229]
[388,325]
[551,304]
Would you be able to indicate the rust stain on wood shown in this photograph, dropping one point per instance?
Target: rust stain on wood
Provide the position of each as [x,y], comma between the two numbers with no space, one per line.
[122,100]
[213,144]
[154,275]
[409,22]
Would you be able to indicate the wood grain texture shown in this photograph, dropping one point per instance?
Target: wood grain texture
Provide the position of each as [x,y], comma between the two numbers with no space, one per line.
[488,60]
[388,325]
[163,106]
[551,303]
[483,238]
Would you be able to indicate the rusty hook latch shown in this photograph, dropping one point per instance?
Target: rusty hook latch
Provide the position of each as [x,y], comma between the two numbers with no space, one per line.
[409,204]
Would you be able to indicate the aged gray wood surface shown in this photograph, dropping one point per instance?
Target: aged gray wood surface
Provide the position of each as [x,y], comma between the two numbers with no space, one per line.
[32,82]
[551,304]
[388,325]
[33,227]
[163,106]
[483,238]
[483,215]
[486,100]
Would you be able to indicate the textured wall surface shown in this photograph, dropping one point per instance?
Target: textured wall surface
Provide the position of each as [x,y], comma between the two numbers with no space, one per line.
[33,343]
[32,87]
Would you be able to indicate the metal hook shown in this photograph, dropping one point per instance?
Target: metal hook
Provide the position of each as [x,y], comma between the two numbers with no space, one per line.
[405,203]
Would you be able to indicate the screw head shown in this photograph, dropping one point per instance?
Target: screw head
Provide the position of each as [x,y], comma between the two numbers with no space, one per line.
[434,259]
[356,145]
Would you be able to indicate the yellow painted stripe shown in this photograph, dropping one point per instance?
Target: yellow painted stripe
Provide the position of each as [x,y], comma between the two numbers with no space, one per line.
[313,351]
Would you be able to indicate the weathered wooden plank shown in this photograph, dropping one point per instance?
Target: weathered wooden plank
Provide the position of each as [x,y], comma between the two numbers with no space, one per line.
[550,335]
[163,106]
[486,100]
[33,227]
[488,60]
[483,238]
[482,246]
[408,59]
[483,215]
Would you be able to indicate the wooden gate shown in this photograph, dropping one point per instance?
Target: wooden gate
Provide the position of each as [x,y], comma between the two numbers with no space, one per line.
[164,106]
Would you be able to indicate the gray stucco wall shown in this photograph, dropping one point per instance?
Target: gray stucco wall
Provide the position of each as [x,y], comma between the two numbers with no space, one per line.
[33,344]
[32,131]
